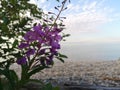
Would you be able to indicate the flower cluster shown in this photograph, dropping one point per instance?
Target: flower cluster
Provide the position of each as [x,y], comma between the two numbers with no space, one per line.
[42,43]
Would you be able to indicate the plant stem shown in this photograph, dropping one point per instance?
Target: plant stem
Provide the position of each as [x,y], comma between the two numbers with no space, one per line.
[59,13]
[63,4]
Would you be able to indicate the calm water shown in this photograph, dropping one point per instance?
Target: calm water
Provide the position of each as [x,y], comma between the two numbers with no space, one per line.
[91,51]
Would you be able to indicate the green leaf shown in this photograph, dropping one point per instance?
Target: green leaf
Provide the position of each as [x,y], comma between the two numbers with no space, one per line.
[2,63]
[48,86]
[11,76]
[7,44]
[62,56]
[2,40]
[36,69]
[14,76]
[7,50]
[65,35]
[15,43]
[8,63]
[23,22]
[13,1]
[5,84]
[17,54]
[60,59]
[5,29]
[36,80]
[0,54]
[56,88]
[1,85]
[5,20]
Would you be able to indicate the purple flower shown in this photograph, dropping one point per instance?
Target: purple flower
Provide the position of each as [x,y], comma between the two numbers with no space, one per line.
[42,51]
[53,51]
[45,39]
[51,57]
[22,61]
[58,38]
[38,45]
[38,30]
[55,45]
[47,29]
[39,27]
[56,30]
[40,40]
[31,36]
[30,52]
[49,60]
[23,45]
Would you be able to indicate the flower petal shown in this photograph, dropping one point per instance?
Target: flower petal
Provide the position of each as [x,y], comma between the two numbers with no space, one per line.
[21,61]
[23,45]
[30,52]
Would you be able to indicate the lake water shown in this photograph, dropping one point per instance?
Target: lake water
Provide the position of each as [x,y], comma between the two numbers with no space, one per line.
[91,51]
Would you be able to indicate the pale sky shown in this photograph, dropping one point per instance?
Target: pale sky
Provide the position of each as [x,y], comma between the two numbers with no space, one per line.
[89,20]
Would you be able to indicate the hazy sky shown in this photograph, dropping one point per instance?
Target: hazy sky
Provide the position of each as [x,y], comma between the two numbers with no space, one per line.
[89,20]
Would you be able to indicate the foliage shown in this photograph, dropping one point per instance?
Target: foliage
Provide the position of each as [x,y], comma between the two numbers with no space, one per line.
[26,37]
[49,86]
[14,23]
